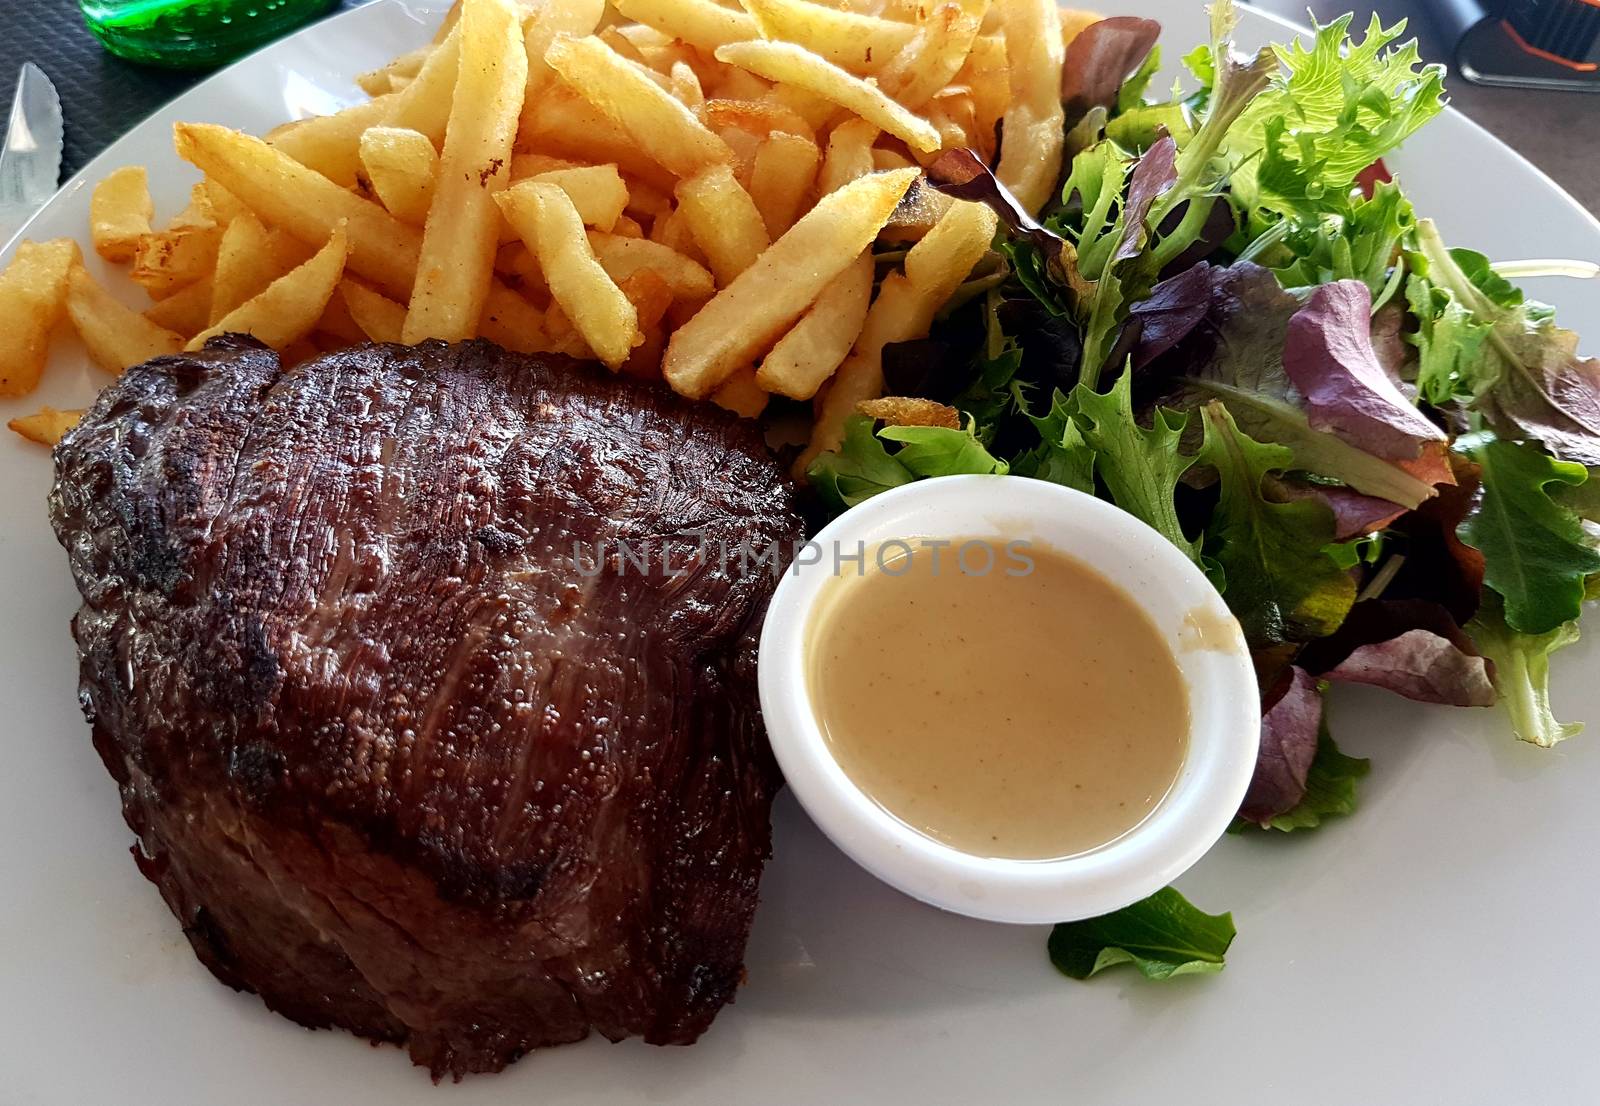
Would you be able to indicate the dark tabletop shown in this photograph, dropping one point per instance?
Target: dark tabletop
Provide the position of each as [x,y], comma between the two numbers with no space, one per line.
[102,97]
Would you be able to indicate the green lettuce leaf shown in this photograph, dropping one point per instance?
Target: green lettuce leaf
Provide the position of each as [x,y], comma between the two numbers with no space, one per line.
[1281,584]
[1330,789]
[862,466]
[1339,106]
[1535,551]
[1522,672]
[1062,455]
[1140,467]
[1355,242]
[1163,936]
[940,451]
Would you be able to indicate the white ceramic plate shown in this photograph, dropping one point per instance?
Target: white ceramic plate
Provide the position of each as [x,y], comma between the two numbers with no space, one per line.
[1436,947]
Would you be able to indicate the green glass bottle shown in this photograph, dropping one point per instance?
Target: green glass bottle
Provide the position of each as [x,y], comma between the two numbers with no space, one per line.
[193,34]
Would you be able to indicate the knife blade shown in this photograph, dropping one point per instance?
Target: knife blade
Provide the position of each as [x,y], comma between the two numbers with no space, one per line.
[30,159]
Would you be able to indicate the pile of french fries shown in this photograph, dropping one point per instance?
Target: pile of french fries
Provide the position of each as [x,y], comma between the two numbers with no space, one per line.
[686,190]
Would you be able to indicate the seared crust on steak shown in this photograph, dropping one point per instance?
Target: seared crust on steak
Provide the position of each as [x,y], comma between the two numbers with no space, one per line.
[395,761]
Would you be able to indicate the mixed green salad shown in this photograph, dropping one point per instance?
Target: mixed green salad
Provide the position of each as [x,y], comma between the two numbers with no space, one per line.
[1234,326]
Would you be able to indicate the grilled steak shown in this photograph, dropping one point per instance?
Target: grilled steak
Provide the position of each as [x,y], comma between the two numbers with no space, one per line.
[404,752]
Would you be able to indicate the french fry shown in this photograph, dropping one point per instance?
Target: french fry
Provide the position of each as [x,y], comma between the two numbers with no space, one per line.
[596,191]
[288,308]
[379,317]
[807,105]
[686,85]
[741,394]
[903,311]
[662,127]
[284,193]
[645,203]
[803,359]
[890,159]
[424,104]
[861,43]
[704,24]
[935,53]
[622,257]
[650,296]
[987,74]
[375,82]
[673,232]
[849,154]
[725,221]
[911,411]
[330,144]
[511,321]
[462,232]
[562,122]
[447,25]
[115,335]
[167,260]
[629,228]
[791,64]
[186,312]
[550,225]
[120,211]
[33,294]
[550,20]
[765,300]
[524,166]
[245,266]
[757,117]
[402,166]
[1074,21]
[47,426]
[337,325]
[222,206]
[1031,166]
[785,168]
[919,211]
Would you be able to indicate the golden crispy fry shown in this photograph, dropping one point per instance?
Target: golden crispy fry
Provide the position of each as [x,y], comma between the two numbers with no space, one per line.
[330,144]
[288,308]
[186,312]
[167,260]
[562,122]
[629,228]
[245,266]
[763,301]
[686,85]
[120,212]
[758,117]
[524,166]
[661,126]
[623,257]
[337,324]
[645,203]
[861,43]
[47,426]
[596,191]
[550,20]
[741,394]
[33,293]
[424,104]
[744,146]
[550,225]
[402,167]
[904,310]
[115,335]
[890,159]
[791,64]
[1074,21]
[375,82]
[724,220]
[911,411]
[701,23]
[673,232]
[650,297]
[511,321]
[222,206]
[781,177]
[379,317]
[849,154]
[447,26]
[935,53]
[803,359]
[462,232]
[1030,167]
[286,194]
[563,337]
[987,76]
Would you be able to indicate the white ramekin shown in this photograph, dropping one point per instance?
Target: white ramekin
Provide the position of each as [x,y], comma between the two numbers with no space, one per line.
[1205,639]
